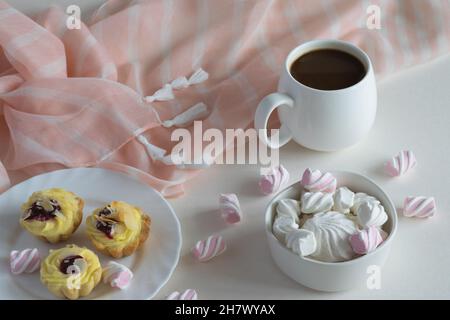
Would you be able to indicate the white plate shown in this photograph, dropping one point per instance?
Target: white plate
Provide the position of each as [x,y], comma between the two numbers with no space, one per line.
[152,264]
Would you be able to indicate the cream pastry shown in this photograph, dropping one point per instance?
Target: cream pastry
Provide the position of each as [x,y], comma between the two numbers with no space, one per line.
[332,231]
[313,202]
[118,229]
[52,215]
[71,272]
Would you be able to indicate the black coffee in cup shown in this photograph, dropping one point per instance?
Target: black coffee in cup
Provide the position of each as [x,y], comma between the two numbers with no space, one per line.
[328,69]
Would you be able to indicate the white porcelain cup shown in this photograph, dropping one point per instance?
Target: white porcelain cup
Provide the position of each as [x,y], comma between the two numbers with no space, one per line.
[323,120]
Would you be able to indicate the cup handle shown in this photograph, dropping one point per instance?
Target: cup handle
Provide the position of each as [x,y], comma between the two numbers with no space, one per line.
[263,112]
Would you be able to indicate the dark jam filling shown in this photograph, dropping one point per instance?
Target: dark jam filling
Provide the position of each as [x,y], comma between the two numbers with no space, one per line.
[105,227]
[37,212]
[67,262]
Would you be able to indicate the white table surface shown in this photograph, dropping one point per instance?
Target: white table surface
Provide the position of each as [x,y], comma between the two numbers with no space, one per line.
[413,113]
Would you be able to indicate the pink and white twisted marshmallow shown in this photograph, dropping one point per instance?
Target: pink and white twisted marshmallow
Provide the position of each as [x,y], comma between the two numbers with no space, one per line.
[117,275]
[230,208]
[401,163]
[313,202]
[366,240]
[316,181]
[272,182]
[188,294]
[27,261]
[207,249]
[420,207]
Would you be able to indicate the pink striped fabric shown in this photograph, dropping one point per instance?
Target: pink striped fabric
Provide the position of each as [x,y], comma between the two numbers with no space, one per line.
[74,97]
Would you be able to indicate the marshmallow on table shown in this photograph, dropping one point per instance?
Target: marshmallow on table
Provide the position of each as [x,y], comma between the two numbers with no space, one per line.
[24,261]
[272,182]
[205,250]
[420,207]
[371,214]
[316,181]
[313,202]
[401,163]
[117,275]
[230,208]
[366,240]
[188,294]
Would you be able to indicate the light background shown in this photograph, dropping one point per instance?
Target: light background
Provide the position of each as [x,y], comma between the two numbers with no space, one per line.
[413,113]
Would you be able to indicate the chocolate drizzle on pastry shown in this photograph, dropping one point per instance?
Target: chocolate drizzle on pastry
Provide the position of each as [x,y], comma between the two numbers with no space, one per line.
[43,210]
[67,262]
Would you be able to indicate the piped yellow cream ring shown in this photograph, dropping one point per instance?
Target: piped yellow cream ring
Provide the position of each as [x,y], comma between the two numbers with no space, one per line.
[71,272]
[118,229]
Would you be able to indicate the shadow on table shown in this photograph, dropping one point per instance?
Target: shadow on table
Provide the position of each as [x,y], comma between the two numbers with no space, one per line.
[247,267]
[210,221]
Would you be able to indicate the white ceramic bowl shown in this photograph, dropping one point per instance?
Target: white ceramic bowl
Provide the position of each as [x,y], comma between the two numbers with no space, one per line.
[332,276]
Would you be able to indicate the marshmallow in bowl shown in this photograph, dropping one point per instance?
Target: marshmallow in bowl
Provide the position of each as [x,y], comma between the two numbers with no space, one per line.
[282,226]
[343,199]
[360,198]
[301,241]
[366,240]
[329,225]
[370,214]
[332,230]
[313,202]
[289,208]
[316,181]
